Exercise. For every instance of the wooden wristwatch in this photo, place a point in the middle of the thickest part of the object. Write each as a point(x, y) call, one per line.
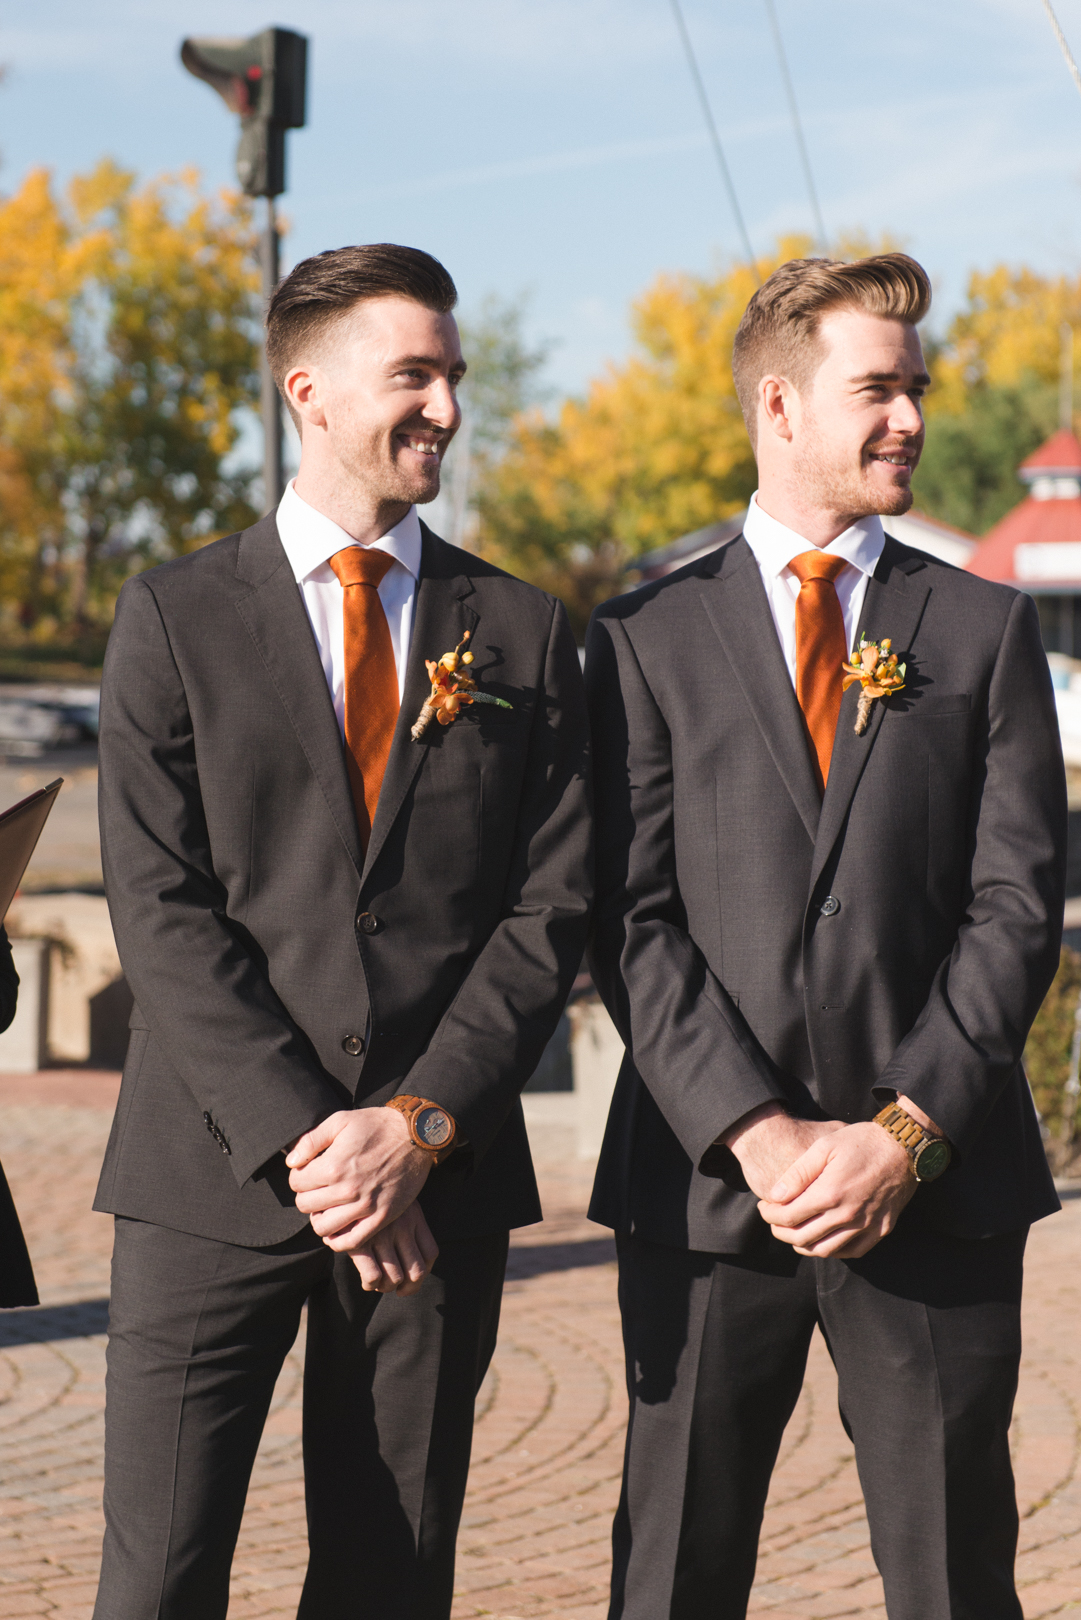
point(431, 1128)
point(930, 1155)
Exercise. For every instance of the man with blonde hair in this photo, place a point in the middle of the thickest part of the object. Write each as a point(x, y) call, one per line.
point(831, 834)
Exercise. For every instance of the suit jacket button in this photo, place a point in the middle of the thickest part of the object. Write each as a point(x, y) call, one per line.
point(353, 1045)
point(830, 906)
point(367, 923)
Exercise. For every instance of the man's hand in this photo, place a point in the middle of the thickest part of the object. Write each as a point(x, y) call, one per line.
point(356, 1172)
point(768, 1140)
point(843, 1196)
point(398, 1258)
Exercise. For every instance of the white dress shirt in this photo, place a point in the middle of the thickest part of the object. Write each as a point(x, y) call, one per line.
point(309, 540)
point(774, 546)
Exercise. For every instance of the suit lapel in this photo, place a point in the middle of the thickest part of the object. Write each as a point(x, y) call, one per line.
point(440, 619)
point(735, 600)
point(893, 606)
point(278, 624)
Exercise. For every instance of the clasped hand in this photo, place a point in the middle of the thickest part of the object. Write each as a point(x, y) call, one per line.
point(830, 1190)
point(357, 1176)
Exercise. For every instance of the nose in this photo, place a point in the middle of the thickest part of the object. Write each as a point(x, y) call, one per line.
point(905, 415)
point(441, 406)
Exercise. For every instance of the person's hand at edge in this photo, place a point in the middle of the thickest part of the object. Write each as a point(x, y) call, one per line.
point(398, 1258)
point(356, 1172)
point(767, 1140)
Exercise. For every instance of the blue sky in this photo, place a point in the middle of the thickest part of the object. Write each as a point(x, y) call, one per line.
point(554, 147)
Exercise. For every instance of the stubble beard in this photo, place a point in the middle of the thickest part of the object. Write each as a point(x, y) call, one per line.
point(389, 481)
point(835, 486)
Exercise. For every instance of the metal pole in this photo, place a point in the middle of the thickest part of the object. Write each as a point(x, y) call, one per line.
point(272, 415)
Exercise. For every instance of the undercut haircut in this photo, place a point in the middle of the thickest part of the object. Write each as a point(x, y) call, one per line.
point(320, 290)
point(779, 332)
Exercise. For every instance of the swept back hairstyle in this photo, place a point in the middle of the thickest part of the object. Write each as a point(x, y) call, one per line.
point(323, 288)
point(779, 332)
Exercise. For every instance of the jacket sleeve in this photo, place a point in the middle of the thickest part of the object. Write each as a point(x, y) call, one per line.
point(970, 1035)
point(9, 982)
point(207, 1002)
point(685, 1035)
point(492, 1035)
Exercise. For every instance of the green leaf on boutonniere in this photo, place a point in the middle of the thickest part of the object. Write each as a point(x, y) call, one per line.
point(486, 697)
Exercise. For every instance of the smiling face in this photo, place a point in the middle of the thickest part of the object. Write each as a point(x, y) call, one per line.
point(857, 432)
point(376, 402)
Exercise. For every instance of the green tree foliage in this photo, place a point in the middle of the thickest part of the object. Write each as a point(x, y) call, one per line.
point(128, 351)
point(501, 382)
point(995, 393)
point(968, 472)
point(1047, 1054)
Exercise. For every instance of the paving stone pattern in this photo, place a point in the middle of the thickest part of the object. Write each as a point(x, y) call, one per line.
point(546, 1460)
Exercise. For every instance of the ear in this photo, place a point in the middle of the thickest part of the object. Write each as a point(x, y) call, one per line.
point(304, 387)
point(778, 408)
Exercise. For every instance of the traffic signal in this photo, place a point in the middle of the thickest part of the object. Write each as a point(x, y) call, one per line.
point(263, 80)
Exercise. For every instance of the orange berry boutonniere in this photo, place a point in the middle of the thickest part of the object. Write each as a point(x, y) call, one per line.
point(452, 686)
point(878, 672)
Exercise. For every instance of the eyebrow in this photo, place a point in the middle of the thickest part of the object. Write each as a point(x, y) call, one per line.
point(425, 360)
point(921, 377)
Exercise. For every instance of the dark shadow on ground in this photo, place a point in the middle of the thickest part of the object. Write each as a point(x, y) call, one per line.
point(539, 1258)
point(42, 1324)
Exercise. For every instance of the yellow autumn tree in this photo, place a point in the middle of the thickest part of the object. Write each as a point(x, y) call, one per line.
point(128, 351)
point(996, 392)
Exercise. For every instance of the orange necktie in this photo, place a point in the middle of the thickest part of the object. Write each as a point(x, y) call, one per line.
point(820, 652)
point(371, 679)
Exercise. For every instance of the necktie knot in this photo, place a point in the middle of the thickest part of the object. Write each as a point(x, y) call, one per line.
point(360, 565)
point(816, 565)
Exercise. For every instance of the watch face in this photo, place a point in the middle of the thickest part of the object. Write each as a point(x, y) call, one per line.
point(931, 1160)
point(433, 1127)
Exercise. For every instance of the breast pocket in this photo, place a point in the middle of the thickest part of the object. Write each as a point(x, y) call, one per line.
point(932, 705)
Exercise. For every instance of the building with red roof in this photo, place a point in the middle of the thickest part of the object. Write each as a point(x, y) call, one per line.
point(1037, 546)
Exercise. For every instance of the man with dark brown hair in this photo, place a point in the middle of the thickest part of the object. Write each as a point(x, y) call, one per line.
point(825, 921)
point(346, 843)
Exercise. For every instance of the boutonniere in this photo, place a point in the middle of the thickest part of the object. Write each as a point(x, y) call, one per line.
point(451, 688)
point(878, 672)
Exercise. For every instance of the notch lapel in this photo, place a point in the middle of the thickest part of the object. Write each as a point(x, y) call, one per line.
point(277, 622)
point(441, 618)
point(893, 606)
point(735, 600)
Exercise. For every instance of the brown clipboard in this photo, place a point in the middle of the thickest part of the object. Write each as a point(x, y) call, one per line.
point(20, 829)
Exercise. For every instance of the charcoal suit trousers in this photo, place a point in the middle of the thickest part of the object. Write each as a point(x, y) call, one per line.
point(925, 1335)
point(198, 1332)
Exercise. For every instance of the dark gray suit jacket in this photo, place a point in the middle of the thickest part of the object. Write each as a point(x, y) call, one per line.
point(256, 939)
point(942, 835)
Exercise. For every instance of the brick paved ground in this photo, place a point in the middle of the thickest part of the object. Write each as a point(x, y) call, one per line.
point(546, 1462)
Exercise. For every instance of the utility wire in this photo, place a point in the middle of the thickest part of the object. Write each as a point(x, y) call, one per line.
point(718, 149)
point(1063, 47)
point(797, 127)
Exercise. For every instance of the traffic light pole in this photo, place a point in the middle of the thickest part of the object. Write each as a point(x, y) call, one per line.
point(272, 411)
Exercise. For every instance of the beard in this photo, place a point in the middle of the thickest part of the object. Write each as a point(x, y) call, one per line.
point(829, 480)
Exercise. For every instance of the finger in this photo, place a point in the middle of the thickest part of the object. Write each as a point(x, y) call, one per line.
point(799, 1175)
point(426, 1243)
point(342, 1217)
point(336, 1196)
point(357, 1235)
point(810, 1206)
point(387, 1250)
point(315, 1141)
point(372, 1279)
point(816, 1233)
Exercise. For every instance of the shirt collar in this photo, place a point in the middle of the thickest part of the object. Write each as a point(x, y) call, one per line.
point(309, 538)
point(774, 545)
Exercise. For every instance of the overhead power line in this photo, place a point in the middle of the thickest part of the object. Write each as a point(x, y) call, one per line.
point(1063, 47)
point(718, 149)
point(820, 229)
